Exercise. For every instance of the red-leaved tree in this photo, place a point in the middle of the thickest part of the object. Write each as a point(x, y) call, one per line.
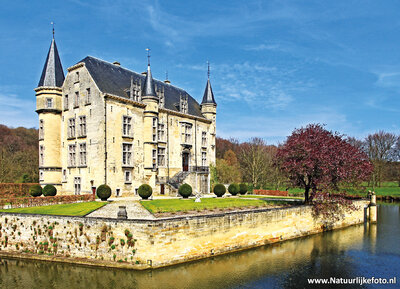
point(317, 159)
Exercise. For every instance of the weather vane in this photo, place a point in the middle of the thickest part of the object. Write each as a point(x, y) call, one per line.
point(52, 23)
point(166, 75)
point(148, 56)
point(208, 69)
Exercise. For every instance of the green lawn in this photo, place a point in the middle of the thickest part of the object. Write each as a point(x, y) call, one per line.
point(270, 197)
point(387, 189)
point(75, 209)
point(179, 205)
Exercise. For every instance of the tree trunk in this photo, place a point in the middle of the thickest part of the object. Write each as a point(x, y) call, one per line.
point(306, 194)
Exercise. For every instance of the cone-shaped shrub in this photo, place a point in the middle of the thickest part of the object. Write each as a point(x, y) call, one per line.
point(145, 191)
point(49, 191)
point(233, 189)
point(219, 190)
point(103, 192)
point(242, 189)
point(185, 191)
point(35, 190)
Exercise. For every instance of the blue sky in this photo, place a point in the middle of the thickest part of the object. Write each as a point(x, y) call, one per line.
point(275, 65)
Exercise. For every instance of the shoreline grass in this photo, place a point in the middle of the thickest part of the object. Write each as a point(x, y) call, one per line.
point(181, 205)
point(270, 197)
point(74, 209)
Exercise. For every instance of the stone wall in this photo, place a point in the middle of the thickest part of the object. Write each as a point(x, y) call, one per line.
point(143, 243)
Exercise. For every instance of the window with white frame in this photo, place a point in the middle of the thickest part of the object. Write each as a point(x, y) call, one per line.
point(183, 105)
point(126, 154)
point(154, 155)
point(204, 139)
point(204, 159)
point(161, 157)
point(161, 132)
point(76, 99)
point(49, 103)
point(41, 155)
point(41, 129)
point(71, 127)
point(88, 96)
point(186, 133)
point(72, 155)
point(127, 126)
point(127, 177)
point(154, 129)
point(82, 154)
point(82, 126)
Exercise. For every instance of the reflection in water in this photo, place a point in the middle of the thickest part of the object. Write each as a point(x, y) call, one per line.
point(363, 250)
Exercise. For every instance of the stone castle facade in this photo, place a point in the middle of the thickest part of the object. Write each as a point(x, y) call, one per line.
point(104, 124)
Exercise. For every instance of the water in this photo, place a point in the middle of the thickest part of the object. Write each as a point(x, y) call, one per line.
point(358, 251)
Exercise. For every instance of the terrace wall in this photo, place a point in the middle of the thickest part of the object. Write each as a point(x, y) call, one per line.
point(159, 242)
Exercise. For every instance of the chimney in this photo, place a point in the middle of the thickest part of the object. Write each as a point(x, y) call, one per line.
point(167, 81)
point(117, 63)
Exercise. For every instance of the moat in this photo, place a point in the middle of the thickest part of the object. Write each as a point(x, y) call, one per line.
point(358, 251)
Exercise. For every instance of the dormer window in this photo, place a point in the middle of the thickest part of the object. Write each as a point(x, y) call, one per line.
point(183, 104)
point(49, 103)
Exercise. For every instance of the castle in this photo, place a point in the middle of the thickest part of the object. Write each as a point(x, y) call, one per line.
point(105, 124)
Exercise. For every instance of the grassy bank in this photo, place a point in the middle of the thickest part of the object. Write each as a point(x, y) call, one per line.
point(180, 205)
point(269, 197)
point(75, 209)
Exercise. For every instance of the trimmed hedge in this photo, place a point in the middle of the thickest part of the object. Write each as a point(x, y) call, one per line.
point(35, 191)
point(185, 191)
point(233, 189)
point(243, 189)
point(49, 191)
point(219, 190)
point(103, 192)
point(145, 191)
point(41, 201)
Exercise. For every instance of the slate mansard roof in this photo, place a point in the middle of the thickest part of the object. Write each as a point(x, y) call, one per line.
point(52, 74)
point(116, 80)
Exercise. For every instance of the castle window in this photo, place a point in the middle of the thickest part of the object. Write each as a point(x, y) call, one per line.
point(161, 132)
point(88, 96)
point(41, 155)
point(204, 159)
point(154, 129)
point(161, 157)
point(183, 104)
point(76, 100)
point(162, 100)
point(72, 155)
point(204, 139)
point(127, 126)
point(154, 155)
point(77, 76)
point(71, 128)
point(82, 154)
point(127, 177)
point(41, 175)
point(66, 102)
point(126, 154)
point(49, 103)
point(41, 129)
point(64, 175)
point(186, 133)
point(82, 126)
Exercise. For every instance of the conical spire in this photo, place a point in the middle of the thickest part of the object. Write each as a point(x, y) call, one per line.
point(52, 74)
point(208, 96)
point(148, 87)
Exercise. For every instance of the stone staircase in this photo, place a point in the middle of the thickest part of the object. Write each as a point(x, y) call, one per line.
point(178, 179)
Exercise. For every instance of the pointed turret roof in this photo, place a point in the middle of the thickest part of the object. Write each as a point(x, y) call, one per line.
point(208, 96)
point(148, 87)
point(52, 74)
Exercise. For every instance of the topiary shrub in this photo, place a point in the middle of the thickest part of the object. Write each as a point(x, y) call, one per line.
point(145, 191)
point(103, 192)
point(233, 189)
point(185, 191)
point(49, 191)
point(35, 190)
point(219, 190)
point(242, 189)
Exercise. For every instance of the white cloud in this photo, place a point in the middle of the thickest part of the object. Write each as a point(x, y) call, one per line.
point(15, 111)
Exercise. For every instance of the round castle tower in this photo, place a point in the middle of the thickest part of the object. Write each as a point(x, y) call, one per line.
point(48, 107)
